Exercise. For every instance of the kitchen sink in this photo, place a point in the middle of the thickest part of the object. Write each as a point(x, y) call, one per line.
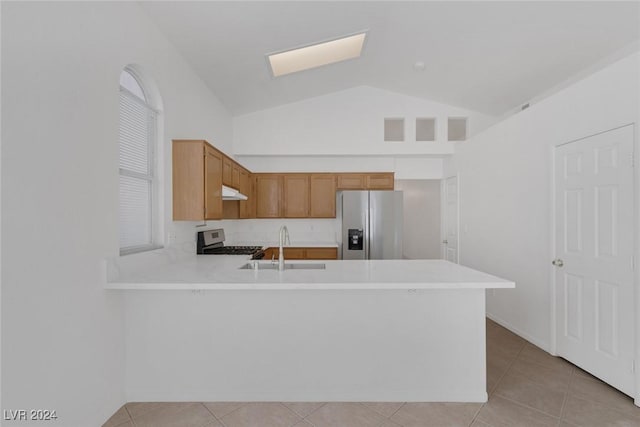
point(287, 266)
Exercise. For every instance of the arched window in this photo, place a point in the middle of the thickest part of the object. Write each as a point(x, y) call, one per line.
point(139, 210)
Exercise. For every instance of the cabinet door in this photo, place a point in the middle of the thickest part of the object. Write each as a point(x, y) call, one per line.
point(322, 253)
point(380, 181)
point(268, 192)
point(292, 253)
point(227, 171)
point(188, 180)
point(245, 188)
point(235, 176)
point(296, 195)
point(212, 183)
point(323, 196)
point(351, 181)
point(269, 254)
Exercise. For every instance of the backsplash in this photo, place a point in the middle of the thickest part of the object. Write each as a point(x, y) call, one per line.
point(266, 230)
point(182, 234)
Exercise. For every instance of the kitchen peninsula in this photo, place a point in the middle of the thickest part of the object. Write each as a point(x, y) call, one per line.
point(199, 328)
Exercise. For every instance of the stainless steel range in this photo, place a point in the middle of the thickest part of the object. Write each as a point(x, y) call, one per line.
point(211, 242)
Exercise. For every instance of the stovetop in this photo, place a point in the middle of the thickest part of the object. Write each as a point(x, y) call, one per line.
point(232, 250)
point(211, 242)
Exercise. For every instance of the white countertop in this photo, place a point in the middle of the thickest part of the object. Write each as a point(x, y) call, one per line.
point(221, 272)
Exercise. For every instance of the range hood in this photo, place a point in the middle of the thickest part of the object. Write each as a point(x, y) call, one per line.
point(229, 193)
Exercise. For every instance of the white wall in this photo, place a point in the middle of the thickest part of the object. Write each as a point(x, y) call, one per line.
point(505, 189)
point(349, 123)
point(404, 167)
point(62, 333)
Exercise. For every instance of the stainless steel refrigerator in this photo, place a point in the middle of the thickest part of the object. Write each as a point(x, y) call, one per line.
point(371, 224)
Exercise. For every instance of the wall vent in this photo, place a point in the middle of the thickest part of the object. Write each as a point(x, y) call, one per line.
point(457, 129)
point(393, 129)
point(425, 129)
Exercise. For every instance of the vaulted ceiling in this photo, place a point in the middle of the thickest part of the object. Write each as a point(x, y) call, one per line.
point(485, 56)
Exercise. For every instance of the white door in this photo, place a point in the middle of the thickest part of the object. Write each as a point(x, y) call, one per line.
point(450, 241)
point(594, 255)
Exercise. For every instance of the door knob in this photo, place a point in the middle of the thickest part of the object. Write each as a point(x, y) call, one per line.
point(557, 262)
point(445, 241)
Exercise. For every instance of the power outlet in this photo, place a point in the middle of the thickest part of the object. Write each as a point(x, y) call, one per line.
point(171, 238)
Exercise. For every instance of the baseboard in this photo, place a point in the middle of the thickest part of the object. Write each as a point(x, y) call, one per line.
point(533, 340)
point(305, 396)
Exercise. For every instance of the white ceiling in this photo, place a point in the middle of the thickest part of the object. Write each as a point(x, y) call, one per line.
point(484, 56)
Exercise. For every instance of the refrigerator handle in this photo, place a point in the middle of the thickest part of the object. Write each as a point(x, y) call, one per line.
point(367, 228)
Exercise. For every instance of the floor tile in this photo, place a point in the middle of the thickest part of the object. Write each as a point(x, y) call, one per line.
point(497, 365)
point(176, 415)
point(519, 388)
point(303, 408)
point(595, 390)
point(137, 409)
point(499, 412)
point(345, 414)
point(389, 423)
point(220, 409)
point(126, 424)
point(582, 373)
point(120, 417)
point(540, 374)
point(478, 423)
point(505, 340)
point(269, 414)
point(534, 354)
point(585, 413)
point(436, 414)
point(303, 423)
point(386, 409)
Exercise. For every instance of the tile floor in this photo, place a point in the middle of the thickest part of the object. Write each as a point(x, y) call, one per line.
point(527, 387)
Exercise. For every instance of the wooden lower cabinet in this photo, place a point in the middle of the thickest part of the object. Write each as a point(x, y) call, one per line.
point(321, 253)
point(302, 253)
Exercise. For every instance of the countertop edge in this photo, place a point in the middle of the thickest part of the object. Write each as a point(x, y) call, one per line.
point(304, 286)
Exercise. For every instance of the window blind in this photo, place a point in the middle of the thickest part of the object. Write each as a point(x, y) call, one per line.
point(137, 133)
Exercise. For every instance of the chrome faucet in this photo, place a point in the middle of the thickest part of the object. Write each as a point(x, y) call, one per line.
point(284, 239)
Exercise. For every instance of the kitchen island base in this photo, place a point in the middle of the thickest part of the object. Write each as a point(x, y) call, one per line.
point(404, 345)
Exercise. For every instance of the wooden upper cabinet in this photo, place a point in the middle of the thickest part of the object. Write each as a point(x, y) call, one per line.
point(213, 166)
point(379, 181)
point(323, 195)
point(197, 181)
point(235, 176)
point(296, 195)
point(351, 181)
point(231, 173)
point(227, 171)
point(268, 195)
point(366, 181)
point(246, 188)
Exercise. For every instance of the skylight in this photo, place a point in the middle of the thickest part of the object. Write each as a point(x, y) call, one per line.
point(316, 55)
